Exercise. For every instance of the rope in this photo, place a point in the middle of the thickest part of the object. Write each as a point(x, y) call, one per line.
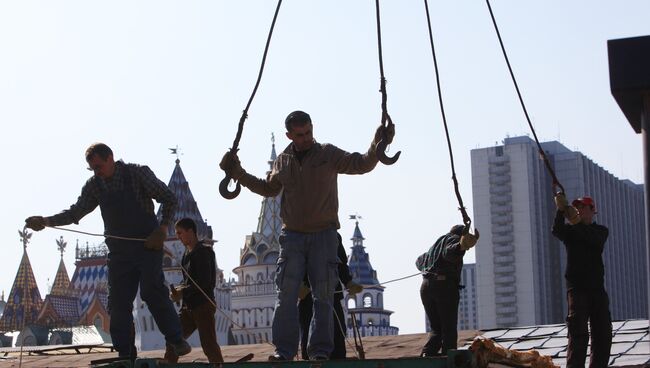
point(466, 220)
point(229, 318)
point(382, 88)
point(556, 182)
point(244, 115)
point(179, 263)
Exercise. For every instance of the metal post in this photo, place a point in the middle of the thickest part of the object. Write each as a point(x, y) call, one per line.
point(629, 78)
point(645, 126)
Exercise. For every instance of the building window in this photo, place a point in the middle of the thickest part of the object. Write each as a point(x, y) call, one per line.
point(367, 301)
point(352, 303)
point(144, 323)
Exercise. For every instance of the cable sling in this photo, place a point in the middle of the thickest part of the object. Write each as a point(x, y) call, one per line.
point(223, 186)
point(547, 163)
point(461, 207)
point(386, 120)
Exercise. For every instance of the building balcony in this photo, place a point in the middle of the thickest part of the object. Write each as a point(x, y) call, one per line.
point(505, 289)
point(505, 311)
point(507, 321)
point(500, 189)
point(501, 228)
point(495, 169)
point(508, 259)
point(499, 209)
point(503, 179)
point(503, 248)
point(254, 289)
point(507, 269)
point(504, 279)
point(501, 199)
point(502, 218)
point(505, 299)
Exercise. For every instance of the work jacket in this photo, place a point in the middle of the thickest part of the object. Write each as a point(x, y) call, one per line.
point(444, 258)
point(584, 248)
point(309, 186)
point(201, 265)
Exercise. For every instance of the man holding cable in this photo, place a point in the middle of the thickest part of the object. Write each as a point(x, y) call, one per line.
point(124, 194)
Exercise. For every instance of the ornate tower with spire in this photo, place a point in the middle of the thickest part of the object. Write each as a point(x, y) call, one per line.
point(368, 306)
point(254, 295)
point(24, 300)
point(61, 307)
point(148, 336)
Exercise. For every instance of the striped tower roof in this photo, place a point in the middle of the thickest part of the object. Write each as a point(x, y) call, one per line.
point(61, 285)
point(24, 300)
point(187, 206)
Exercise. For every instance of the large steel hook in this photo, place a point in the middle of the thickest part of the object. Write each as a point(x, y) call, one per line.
point(225, 192)
point(382, 145)
point(223, 186)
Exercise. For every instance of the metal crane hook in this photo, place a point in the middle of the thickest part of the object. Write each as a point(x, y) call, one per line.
point(381, 148)
point(225, 192)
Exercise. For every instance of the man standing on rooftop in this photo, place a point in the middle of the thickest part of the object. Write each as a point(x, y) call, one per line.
point(306, 172)
point(124, 194)
point(585, 279)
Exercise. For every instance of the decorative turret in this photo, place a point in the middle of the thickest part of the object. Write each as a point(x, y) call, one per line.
point(359, 263)
point(61, 285)
point(367, 306)
point(187, 206)
point(24, 300)
point(254, 294)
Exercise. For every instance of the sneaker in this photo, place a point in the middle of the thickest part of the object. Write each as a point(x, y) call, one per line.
point(181, 347)
point(277, 358)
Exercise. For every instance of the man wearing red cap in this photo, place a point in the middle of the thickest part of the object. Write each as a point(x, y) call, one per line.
point(585, 278)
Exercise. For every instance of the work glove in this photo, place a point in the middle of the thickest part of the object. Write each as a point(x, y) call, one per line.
point(231, 165)
point(156, 240)
point(176, 293)
point(561, 202)
point(36, 223)
point(353, 287)
point(388, 131)
point(304, 291)
point(467, 241)
point(571, 214)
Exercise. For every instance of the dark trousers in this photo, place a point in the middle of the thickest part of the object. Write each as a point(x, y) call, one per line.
point(201, 318)
point(305, 312)
point(131, 266)
point(588, 307)
point(440, 301)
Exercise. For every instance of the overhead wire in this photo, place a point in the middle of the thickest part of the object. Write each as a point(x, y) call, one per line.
point(223, 186)
point(542, 153)
point(461, 207)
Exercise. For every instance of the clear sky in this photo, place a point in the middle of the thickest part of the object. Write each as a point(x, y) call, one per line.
point(143, 76)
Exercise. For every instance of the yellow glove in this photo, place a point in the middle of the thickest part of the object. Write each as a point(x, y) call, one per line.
point(571, 214)
point(36, 223)
point(467, 241)
point(353, 287)
point(156, 240)
point(304, 291)
point(561, 202)
point(176, 294)
point(231, 165)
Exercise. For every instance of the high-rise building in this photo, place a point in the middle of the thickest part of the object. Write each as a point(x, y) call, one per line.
point(520, 265)
point(467, 317)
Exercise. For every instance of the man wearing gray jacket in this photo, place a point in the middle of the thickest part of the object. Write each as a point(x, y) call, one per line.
point(306, 172)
